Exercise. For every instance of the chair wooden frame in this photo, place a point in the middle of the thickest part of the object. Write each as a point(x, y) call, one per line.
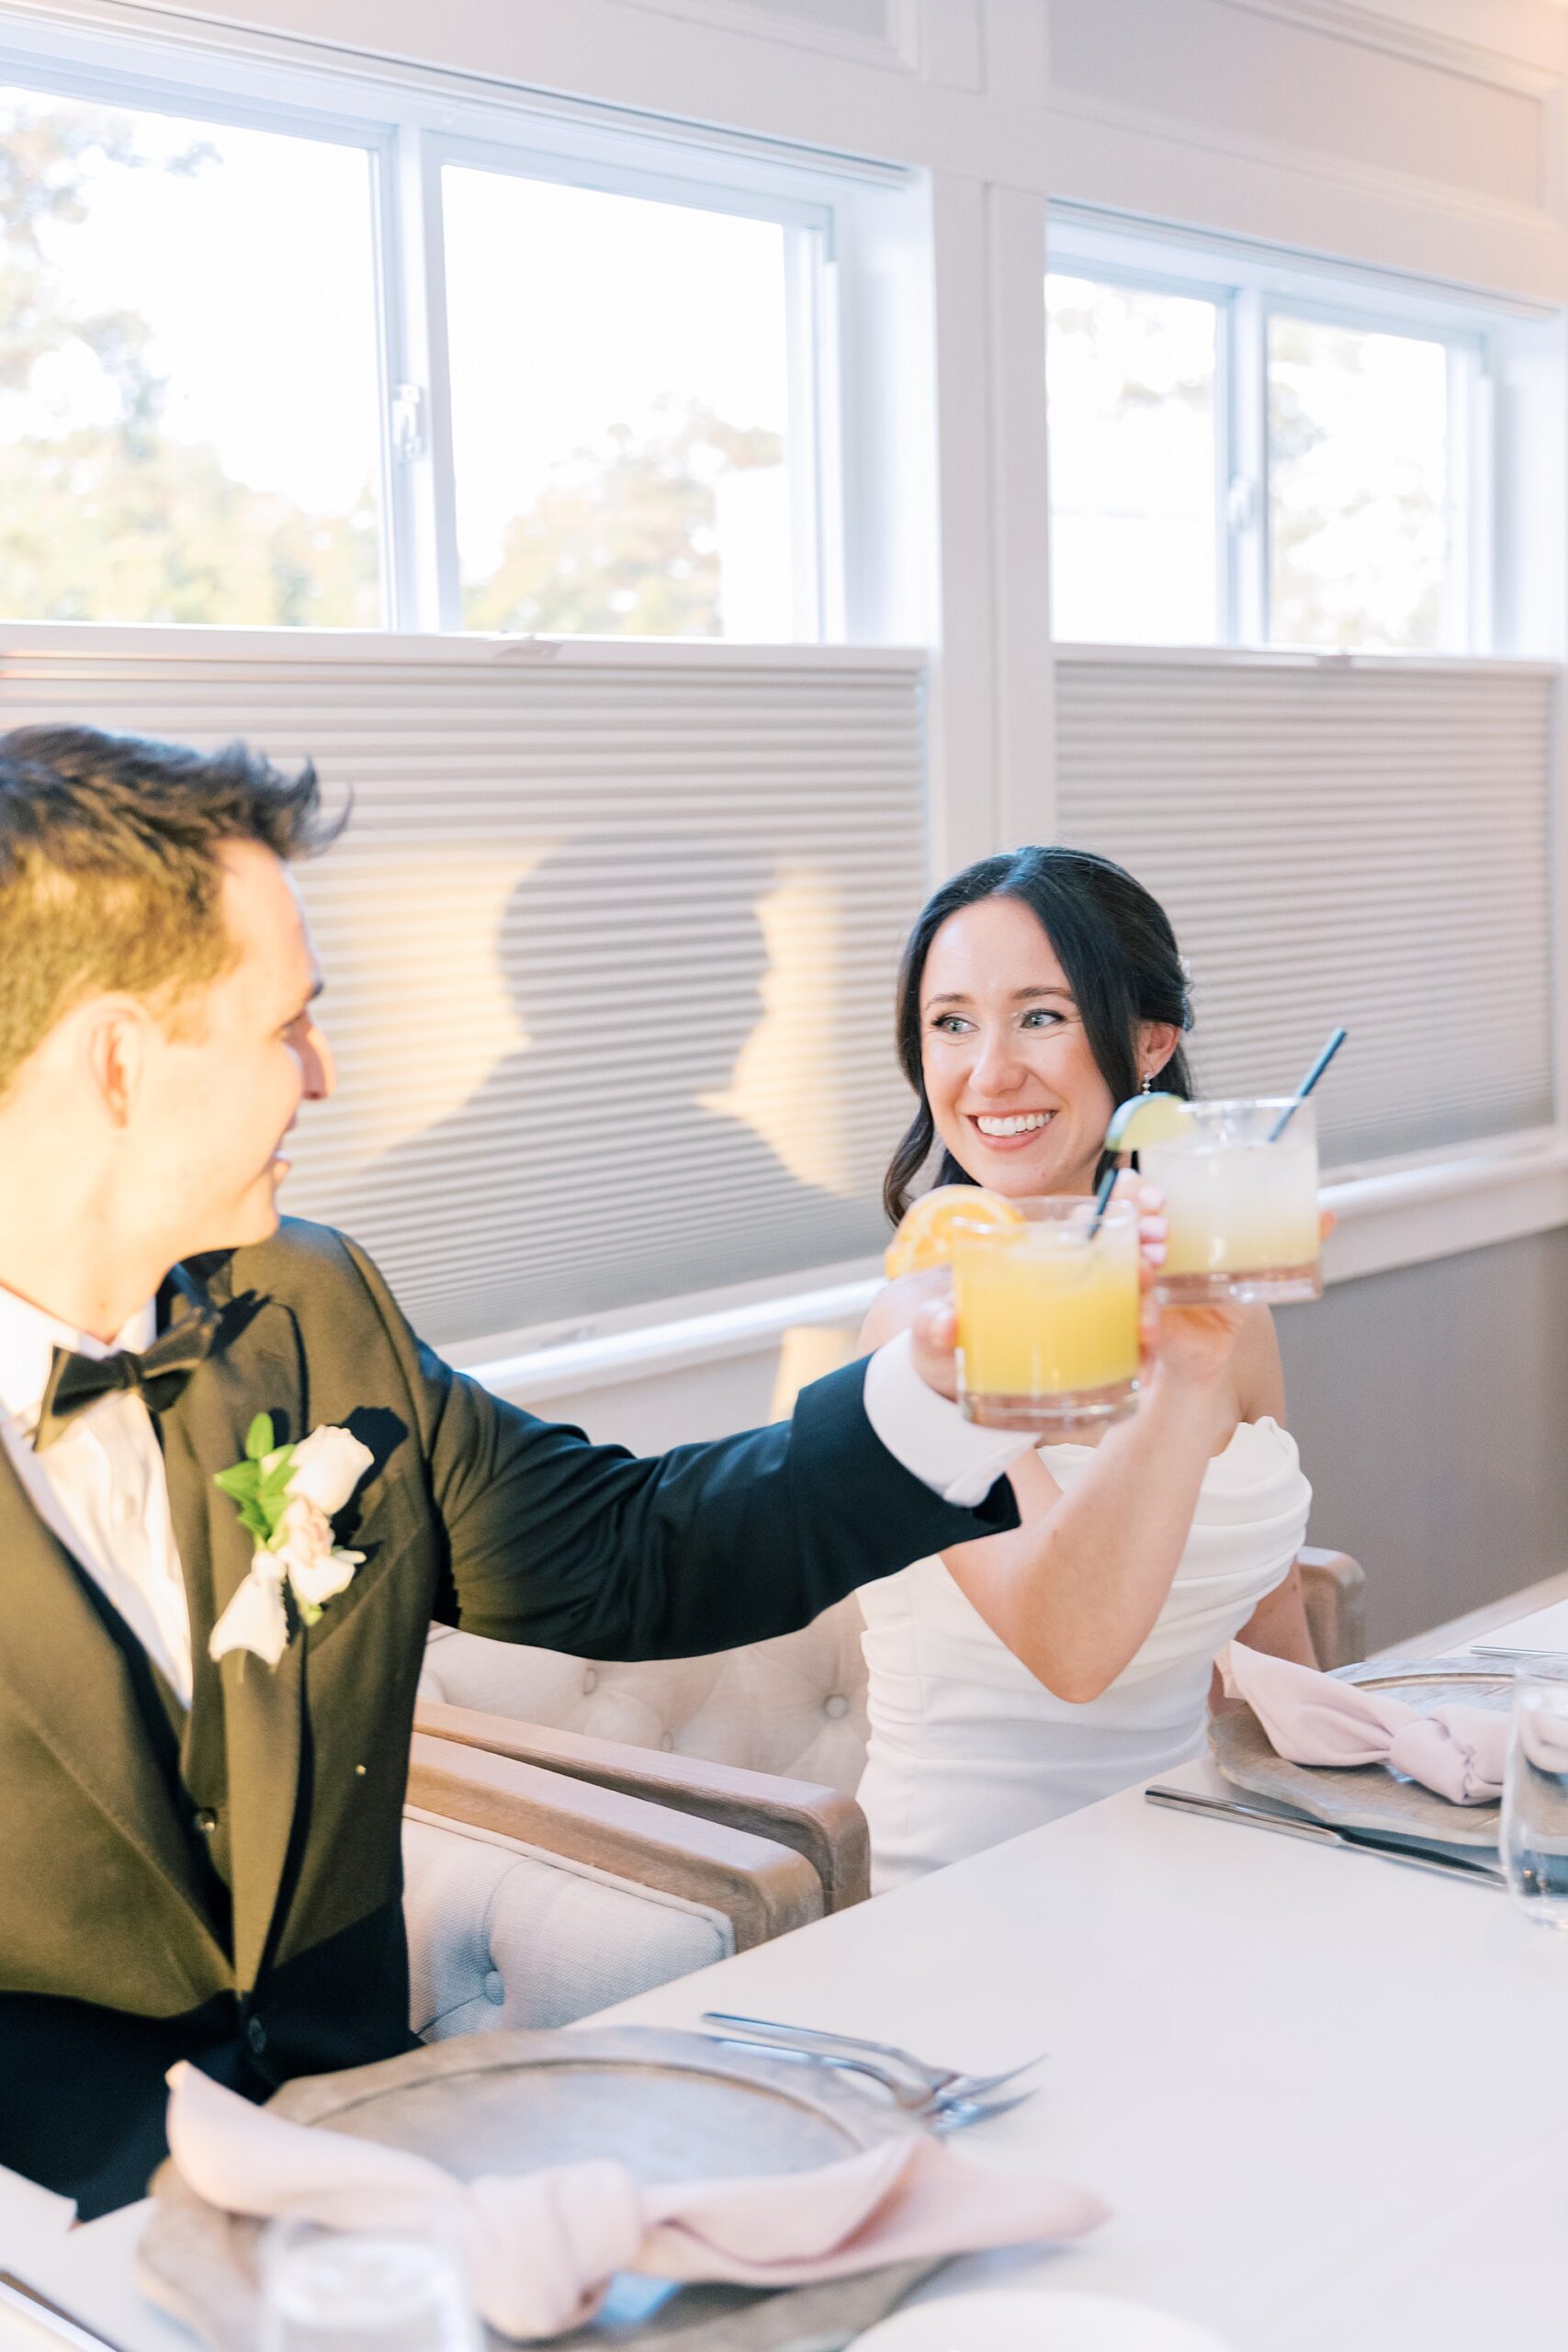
point(1334, 1588)
point(763, 1887)
point(828, 1830)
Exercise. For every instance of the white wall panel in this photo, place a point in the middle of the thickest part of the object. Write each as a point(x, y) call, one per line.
point(1337, 84)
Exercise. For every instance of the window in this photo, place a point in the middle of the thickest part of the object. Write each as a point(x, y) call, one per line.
point(188, 371)
point(1134, 540)
point(262, 364)
point(1244, 452)
point(621, 412)
point(1365, 543)
point(1250, 451)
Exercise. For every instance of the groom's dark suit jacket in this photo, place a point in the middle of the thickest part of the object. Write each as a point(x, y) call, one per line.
point(225, 1885)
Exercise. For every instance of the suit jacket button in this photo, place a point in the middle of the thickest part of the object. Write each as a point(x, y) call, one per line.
point(206, 1821)
point(255, 2034)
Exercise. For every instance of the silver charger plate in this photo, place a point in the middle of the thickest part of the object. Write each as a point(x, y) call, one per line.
point(669, 2106)
point(1369, 1797)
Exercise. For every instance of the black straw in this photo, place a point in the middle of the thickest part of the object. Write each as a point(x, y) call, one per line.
point(1102, 1200)
point(1308, 1083)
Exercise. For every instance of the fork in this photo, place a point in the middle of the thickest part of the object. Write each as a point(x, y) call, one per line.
point(938, 2082)
point(940, 2110)
point(956, 2115)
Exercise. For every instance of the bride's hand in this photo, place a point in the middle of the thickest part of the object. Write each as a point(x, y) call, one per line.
point(1191, 1345)
point(1149, 1200)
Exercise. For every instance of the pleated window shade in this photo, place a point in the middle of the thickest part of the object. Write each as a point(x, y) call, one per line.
point(1365, 844)
point(609, 942)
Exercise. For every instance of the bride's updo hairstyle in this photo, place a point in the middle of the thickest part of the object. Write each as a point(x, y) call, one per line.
point(1113, 941)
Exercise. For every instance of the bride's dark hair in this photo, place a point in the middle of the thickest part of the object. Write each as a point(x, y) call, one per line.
point(1116, 946)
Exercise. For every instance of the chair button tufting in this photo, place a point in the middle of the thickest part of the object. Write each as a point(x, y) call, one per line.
point(668, 1742)
point(494, 1989)
point(206, 1821)
point(590, 1681)
point(255, 2034)
point(836, 1706)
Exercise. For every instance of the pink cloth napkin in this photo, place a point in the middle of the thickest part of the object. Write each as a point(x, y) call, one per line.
point(1312, 1719)
point(541, 2246)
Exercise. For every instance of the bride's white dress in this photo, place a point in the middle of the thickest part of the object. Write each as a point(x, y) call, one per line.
point(967, 1749)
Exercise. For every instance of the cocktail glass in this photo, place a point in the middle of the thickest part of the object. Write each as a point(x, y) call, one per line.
point(400, 2289)
point(1533, 1833)
point(1048, 1316)
point(1240, 1202)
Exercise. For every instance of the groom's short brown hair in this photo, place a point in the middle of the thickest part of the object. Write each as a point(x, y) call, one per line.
point(109, 872)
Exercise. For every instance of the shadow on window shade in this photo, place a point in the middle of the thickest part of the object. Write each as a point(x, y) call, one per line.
point(1365, 846)
point(642, 1137)
point(609, 942)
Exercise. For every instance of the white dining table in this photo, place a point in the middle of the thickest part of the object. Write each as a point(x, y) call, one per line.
point(1324, 2097)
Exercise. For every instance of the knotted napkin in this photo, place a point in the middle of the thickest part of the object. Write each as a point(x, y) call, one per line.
point(1311, 1718)
point(541, 2247)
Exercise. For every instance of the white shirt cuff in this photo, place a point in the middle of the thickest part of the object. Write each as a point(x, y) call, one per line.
point(957, 1459)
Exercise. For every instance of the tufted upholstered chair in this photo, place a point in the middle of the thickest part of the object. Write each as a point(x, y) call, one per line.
point(505, 1933)
point(794, 1707)
point(532, 1898)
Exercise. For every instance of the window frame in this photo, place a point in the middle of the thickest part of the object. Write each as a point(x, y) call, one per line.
point(1247, 292)
point(408, 133)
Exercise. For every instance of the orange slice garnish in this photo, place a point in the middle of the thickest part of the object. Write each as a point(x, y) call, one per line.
point(925, 1235)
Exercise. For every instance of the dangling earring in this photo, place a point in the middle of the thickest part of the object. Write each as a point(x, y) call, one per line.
point(1148, 1085)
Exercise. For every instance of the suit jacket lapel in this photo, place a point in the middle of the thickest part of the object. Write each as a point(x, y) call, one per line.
point(257, 1367)
point(69, 1682)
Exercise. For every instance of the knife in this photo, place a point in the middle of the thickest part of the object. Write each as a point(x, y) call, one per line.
point(16, 2295)
point(1323, 1833)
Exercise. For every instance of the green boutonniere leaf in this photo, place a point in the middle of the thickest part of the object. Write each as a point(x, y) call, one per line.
point(261, 1493)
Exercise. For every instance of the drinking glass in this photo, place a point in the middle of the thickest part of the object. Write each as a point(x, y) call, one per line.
point(1240, 1202)
point(1048, 1313)
point(363, 2290)
point(1534, 1830)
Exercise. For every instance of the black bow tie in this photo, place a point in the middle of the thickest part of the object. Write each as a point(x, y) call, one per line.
point(157, 1376)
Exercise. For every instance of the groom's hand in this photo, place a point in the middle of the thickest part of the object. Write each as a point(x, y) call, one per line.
point(935, 1336)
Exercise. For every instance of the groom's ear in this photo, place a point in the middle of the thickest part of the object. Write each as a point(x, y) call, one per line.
point(118, 1034)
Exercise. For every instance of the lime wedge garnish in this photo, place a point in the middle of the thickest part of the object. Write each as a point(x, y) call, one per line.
point(1147, 1118)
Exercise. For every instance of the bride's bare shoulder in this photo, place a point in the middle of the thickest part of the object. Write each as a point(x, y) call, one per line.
point(894, 1308)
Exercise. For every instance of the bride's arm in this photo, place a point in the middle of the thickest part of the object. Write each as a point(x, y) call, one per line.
point(1075, 1591)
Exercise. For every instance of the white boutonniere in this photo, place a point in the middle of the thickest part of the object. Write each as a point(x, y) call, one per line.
point(287, 1497)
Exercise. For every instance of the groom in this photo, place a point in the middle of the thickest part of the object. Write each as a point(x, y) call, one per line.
point(200, 1856)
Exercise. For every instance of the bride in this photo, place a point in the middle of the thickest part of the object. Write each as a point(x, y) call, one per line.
point(1014, 1679)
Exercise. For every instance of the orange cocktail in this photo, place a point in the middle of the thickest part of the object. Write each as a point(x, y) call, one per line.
point(1048, 1316)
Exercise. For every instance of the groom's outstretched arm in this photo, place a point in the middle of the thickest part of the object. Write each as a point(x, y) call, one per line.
point(589, 1549)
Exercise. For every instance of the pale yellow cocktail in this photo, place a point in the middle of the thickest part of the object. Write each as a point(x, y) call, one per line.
point(1048, 1315)
point(1240, 1202)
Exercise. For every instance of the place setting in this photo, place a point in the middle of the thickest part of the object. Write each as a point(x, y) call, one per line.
point(760, 2187)
point(756, 2186)
point(1457, 1767)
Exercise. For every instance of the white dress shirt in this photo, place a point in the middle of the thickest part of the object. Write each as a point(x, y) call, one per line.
point(101, 1485)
